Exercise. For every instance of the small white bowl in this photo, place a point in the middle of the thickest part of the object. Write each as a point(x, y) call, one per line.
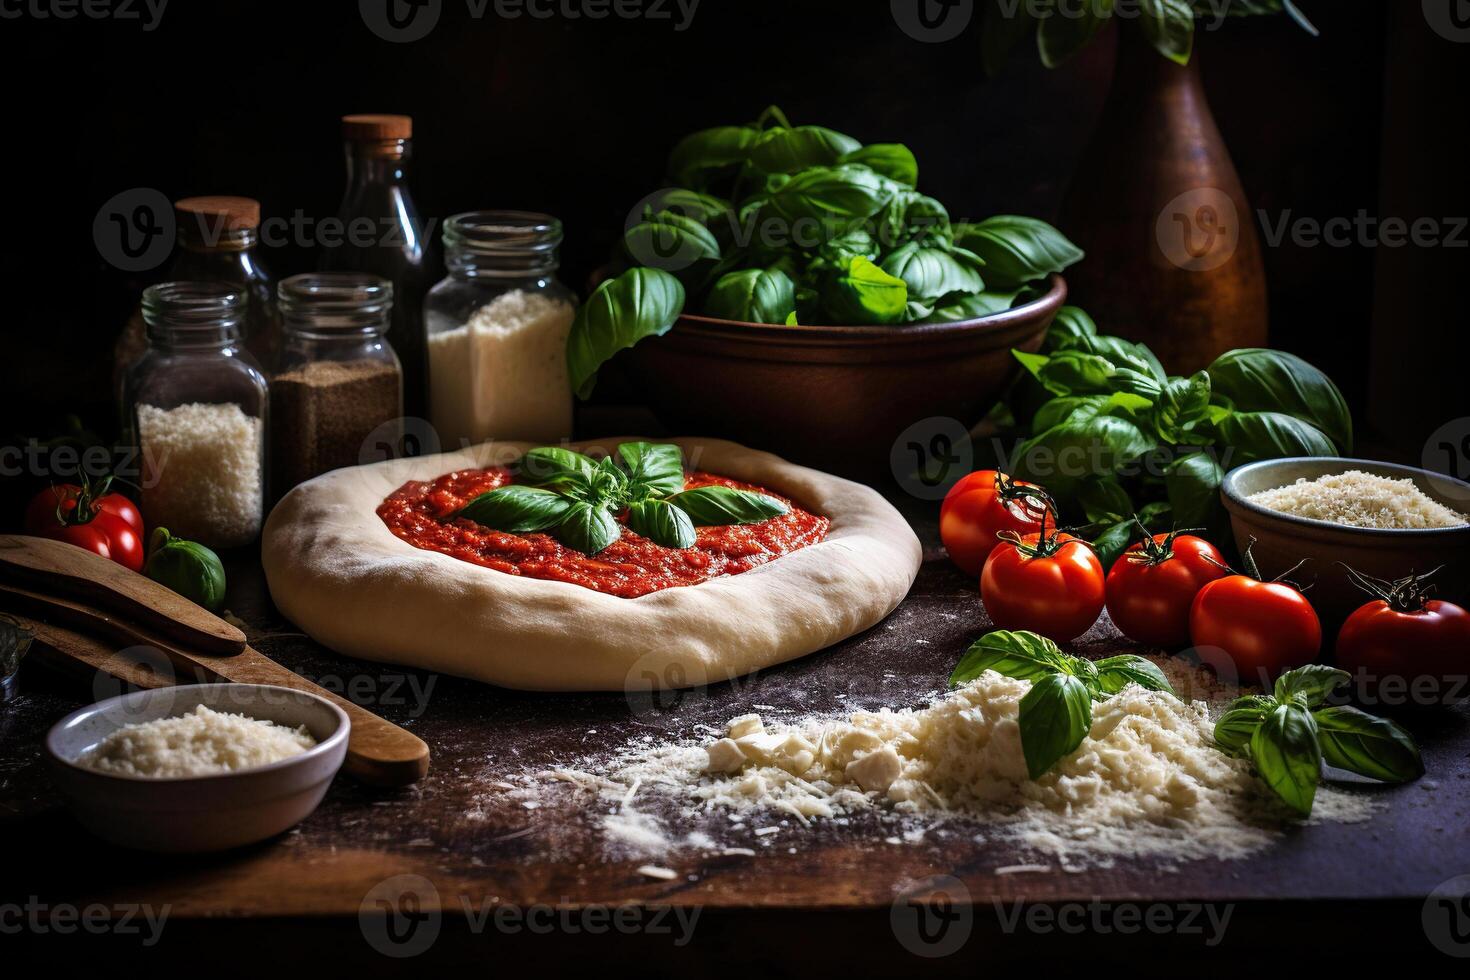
point(198, 813)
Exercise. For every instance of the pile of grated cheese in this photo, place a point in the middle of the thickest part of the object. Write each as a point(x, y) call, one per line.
point(1148, 782)
point(1359, 499)
point(202, 742)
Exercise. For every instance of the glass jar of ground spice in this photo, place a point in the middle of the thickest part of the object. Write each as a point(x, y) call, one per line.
point(340, 384)
point(197, 407)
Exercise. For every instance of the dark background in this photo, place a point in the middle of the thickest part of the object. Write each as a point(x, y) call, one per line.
point(575, 117)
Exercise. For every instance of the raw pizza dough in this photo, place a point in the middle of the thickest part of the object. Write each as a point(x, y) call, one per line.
point(336, 570)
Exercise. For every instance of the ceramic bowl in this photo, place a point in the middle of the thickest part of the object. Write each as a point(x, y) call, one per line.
point(836, 398)
point(200, 813)
point(1281, 540)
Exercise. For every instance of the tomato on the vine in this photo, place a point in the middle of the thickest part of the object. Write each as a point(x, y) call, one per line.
point(1152, 586)
point(1405, 634)
point(1266, 628)
point(980, 507)
point(107, 524)
point(1050, 584)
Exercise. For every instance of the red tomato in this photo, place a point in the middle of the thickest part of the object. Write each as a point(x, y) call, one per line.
point(107, 535)
point(1432, 641)
point(975, 510)
point(1153, 584)
point(1056, 591)
point(41, 512)
point(1266, 628)
point(114, 529)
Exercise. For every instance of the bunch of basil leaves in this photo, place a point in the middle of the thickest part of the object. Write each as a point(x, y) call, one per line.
point(1289, 733)
point(773, 223)
point(576, 498)
point(1056, 714)
point(1109, 433)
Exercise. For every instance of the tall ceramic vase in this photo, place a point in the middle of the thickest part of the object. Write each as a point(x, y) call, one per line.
point(1173, 258)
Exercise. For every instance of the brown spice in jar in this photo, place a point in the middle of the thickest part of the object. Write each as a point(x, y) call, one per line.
point(323, 413)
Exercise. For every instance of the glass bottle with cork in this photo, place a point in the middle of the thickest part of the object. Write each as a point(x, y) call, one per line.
point(382, 234)
point(197, 402)
point(340, 387)
point(218, 238)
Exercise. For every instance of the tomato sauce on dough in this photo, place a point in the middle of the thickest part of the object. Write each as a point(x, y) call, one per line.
point(629, 567)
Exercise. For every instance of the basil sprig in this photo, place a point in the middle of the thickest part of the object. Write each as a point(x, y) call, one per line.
point(575, 498)
point(1056, 714)
point(1289, 733)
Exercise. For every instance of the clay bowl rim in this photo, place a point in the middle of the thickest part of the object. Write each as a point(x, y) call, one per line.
point(1049, 302)
point(1242, 509)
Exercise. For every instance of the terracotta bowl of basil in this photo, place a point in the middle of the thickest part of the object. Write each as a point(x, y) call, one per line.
point(836, 398)
point(1281, 539)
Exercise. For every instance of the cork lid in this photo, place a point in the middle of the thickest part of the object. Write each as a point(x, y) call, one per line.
point(219, 211)
point(372, 126)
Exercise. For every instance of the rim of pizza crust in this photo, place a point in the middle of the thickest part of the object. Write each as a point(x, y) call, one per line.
point(337, 571)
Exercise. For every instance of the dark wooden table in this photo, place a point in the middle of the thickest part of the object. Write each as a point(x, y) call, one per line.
point(835, 886)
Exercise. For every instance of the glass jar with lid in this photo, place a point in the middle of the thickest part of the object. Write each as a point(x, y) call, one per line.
point(339, 389)
point(197, 407)
point(218, 239)
point(497, 329)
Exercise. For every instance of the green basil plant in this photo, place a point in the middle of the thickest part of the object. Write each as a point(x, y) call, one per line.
point(773, 223)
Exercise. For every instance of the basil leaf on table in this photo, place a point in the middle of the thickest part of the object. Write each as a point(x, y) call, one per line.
point(1287, 755)
point(1116, 673)
point(893, 160)
point(588, 528)
point(1169, 27)
point(1239, 722)
point(661, 522)
point(1192, 483)
point(1254, 436)
point(705, 155)
point(1019, 654)
point(1016, 249)
point(1259, 380)
point(717, 506)
point(517, 509)
point(1069, 327)
point(1309, 686)
point(1375, 747)
point(620, 312)
point(1181, 402)
point(787, 151)
point(653, 468)
point(752, 295)
point(1055, 716)
point(860, 293)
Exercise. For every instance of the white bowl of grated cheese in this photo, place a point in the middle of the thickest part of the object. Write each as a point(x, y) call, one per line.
point(199, 767)
point(1380, 518)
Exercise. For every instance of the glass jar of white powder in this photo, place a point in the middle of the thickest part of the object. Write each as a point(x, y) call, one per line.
point(497, 330)
point(197, 402)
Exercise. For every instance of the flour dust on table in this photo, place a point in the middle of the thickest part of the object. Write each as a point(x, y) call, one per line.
point(1148, 782)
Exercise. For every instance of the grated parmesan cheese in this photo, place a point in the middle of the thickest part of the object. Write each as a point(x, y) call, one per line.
point(201, 743)
point(1359, 499)
point(1148, 782)
point(202, 472)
